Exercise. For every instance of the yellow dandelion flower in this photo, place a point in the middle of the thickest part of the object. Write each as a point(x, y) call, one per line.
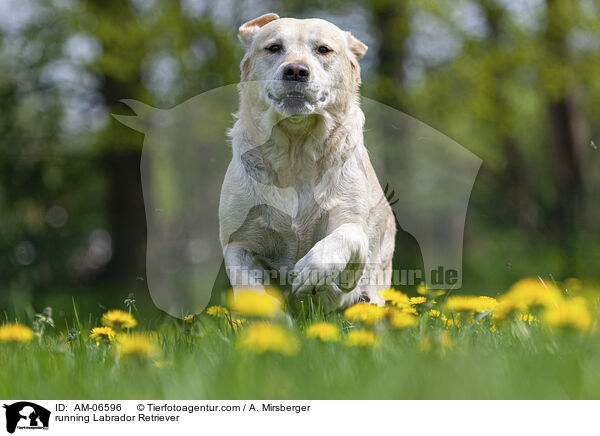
point(262, 337)
point(15, 332)
point(324, 331)
point(395, 298)
point(217, 311)
point(467, 303)
point(399, 319)
point(411, 310)
point(254, 304)
point(137, 345)
point(105, 333)
point(528, 293)
point(433, 313)
point(527, 317)
point(367, 314)
point(424, 290)
point(450, 322)
point(238, 322)
point(417, 300)
point(507, 306)
point(190, 319)
point(119, 319)
point(570, 314)
point(360, 338)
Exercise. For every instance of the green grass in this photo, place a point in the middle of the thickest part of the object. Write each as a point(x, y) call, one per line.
point(520, 361)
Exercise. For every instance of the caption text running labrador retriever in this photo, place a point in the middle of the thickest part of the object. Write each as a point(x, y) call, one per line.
point(300, 199)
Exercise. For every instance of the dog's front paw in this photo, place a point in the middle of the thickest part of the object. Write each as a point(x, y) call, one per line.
point(316, 276)
point(320, 267)
point(327, 297)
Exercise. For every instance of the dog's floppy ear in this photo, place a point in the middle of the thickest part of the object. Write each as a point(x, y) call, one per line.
point(247, 30)
point(357, 47)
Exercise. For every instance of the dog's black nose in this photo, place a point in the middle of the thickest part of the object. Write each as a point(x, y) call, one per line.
point(296, 72)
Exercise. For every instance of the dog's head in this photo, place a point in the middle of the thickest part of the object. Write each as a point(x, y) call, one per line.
point(301, 67)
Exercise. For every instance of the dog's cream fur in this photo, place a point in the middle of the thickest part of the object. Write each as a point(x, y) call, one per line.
point(300, 193)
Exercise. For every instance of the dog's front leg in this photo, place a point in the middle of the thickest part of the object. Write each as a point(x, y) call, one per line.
point(246, 272)
point(333, 266)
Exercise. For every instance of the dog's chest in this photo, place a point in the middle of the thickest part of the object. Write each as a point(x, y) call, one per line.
point(309, 225)
point(288, 224)
point(291, 192)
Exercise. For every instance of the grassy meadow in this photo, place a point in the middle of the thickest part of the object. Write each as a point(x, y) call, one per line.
point(538, 340)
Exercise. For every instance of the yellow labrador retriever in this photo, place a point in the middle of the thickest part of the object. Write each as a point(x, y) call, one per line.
point(301, 206)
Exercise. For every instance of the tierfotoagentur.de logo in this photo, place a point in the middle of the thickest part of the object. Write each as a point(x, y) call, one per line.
point(26, 416)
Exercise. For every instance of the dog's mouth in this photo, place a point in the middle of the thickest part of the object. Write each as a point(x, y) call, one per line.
point(291, 97)
point(296, 102)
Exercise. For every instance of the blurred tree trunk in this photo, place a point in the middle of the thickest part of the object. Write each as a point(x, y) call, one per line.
point(125, 205)
point(567, 171)
point(513, 180)
point(392, 29)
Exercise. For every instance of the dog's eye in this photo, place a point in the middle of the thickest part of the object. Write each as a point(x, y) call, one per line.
point(323, 49)
point(273, 48)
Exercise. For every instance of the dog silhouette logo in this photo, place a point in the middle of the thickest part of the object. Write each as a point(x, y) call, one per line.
point(26, 415)
point(186, 155)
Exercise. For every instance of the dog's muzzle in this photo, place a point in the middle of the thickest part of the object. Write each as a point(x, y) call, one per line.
point(295, 99)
